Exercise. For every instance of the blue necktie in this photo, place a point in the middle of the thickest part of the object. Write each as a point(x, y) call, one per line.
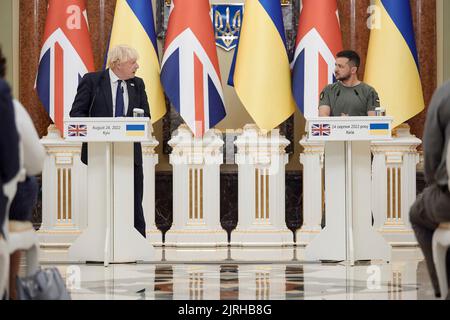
point(119, 100)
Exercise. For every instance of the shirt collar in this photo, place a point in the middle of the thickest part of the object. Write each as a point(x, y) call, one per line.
point(114, 78)
point(352, 87)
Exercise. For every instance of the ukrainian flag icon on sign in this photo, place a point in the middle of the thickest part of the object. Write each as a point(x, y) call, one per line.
point(379, 129)
point(135, 130)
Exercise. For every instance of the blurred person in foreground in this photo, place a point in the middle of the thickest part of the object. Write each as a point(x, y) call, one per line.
point(31, 162)
point(432, 206)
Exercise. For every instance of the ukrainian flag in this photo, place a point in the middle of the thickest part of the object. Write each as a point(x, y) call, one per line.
point(262, 77)
point(392, 66)
point(134, 26)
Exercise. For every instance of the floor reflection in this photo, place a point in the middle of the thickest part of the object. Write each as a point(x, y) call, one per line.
point(288, 278)
point(163, 288)
point(254, 282)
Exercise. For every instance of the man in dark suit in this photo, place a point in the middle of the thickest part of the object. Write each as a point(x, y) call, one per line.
point(9, 147)
point(115, 92)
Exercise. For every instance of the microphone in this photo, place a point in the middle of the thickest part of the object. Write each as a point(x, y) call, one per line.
point(97, 88)
point(357, 94)
point(338, 93)
point(375, 99)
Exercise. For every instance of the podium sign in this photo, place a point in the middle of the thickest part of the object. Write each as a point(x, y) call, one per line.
point(348, 234)
point(107, 129)
point(349, 128)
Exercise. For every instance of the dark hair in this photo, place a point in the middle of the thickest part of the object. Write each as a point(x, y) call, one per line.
point(351, 55)
point(2, 64)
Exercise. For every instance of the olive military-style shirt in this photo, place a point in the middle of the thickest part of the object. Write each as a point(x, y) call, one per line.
point(354, 101)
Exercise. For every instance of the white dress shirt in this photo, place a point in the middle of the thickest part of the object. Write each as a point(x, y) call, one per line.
point(114, 81)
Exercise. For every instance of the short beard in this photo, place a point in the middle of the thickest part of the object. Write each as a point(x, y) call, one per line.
point(345, 78)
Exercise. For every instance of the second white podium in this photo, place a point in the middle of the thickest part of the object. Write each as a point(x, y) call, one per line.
point(348, 234)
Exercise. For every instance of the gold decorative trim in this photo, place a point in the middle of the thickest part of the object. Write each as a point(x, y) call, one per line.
point(396, 231)
point(196, 193)
point(190, 194)
point(261, 194)
point(267, 194)
point(58, 232)
point(64, 200)
point(388, 193)
point(70, 193)
point(195, 231)
point(394, 193)
point(58, 209)
point(262, 231)
point(399, 193)
point(50, 150)
point(201, 194)
point(256, 193)
point(64, 225)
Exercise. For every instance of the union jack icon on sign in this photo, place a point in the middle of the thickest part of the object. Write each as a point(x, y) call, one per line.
point(77, 130)
point(320, 130)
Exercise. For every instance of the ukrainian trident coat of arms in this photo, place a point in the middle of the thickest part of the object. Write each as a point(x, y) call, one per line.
point(227, 20)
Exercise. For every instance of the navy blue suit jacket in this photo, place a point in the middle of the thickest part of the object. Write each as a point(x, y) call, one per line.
point(94, 99)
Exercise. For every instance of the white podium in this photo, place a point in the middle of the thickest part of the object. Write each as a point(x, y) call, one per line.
point(348, 234)
point(110, 236)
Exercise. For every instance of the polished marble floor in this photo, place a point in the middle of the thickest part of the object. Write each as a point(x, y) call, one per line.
point(255, 274)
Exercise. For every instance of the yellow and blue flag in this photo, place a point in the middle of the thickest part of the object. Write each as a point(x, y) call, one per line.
point(262, 76)
point(134, 26)
point(392, 65)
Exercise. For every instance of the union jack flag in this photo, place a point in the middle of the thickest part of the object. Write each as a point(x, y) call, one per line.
point(190, 70)
point(77, 130)
point(321, 129)
point(66, 55)
point(318, 40)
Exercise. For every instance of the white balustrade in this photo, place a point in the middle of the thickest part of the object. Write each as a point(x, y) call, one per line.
point(261, 160)
point(394, 186)
point(312, 160)
point(64, 192)
point(196, 189)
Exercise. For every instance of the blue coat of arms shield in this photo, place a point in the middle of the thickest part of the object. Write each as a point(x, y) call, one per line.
point(227, 21)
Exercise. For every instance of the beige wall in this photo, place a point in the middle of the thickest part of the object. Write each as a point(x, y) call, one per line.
point(446, 40)
point(7, 37)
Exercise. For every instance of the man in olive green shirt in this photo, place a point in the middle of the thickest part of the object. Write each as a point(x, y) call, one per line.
point(348, 96)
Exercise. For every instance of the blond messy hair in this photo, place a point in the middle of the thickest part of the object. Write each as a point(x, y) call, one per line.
point(121, 53)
